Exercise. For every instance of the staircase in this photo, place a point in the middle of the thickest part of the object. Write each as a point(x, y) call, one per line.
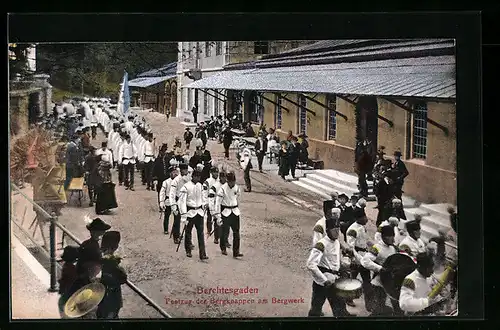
point(324, 182)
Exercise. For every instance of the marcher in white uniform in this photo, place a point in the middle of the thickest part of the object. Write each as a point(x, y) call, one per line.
point(373, 260)
point(394, 223)
point(175, 189)
point(127, 157)
point(149, 159)
point(165, 199)
point(228, 214)
point(412, 243)
point(414, 294)
point(212, 196)
point(324, 265)
point(192, 204)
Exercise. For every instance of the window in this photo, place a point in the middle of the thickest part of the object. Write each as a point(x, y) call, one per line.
point(205, 104)
point(261, 47)
point(302, 114)
point(332, 117)
point(208, 49)
point(256, 112)
point(216, 107)
point(420, 131)
point(218, 48)
point(277, 112)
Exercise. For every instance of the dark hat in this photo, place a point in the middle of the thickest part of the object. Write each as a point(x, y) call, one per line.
point(110, 240)
point(303, 135)
point(214, 169)
point(387, 231)
point(172, 168)
point(424, 260)
point(327, 208)
point(196, 173)
point(412, 226)
point(332, 223)
point(183, 166)
point(343, 196)
point(397, 153)
point(231, 176)
point(70, 253)
point(187, 129)
point(98, 224)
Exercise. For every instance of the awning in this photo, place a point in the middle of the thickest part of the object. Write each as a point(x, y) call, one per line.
point(148, 81)
point(418, 77)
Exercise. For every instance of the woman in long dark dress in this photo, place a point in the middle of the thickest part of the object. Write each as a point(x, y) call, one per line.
point(304, 145)
point(113, 277)
point(283, 161)
point(106, 197)
point(293, 155)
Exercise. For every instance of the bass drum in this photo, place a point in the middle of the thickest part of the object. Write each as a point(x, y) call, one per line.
point(396, 268)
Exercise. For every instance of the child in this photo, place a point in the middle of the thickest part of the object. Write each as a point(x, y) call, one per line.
point(113, 277)
point(68, 275)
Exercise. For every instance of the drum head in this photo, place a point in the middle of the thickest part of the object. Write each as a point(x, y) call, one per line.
point(397, 266)
point(348, 284)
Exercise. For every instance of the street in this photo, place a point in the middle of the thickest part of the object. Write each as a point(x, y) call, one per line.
point(271, 280)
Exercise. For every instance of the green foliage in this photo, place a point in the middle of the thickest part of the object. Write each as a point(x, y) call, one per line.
point(98, 69)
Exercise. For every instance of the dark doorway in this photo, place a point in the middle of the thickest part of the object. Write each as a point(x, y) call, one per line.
point(33, 108)
point(367, 119)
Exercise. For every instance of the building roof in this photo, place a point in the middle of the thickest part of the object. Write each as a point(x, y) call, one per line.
point(166, 70)
point(144, 82)
point(432, 77)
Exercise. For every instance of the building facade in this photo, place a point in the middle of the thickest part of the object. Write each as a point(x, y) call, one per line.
point(198, 60)
point(156, 89)
point(399, 94)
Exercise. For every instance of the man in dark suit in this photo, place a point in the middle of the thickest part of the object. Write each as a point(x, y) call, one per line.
point(400, 173)
point(260, 149)
point(385, 193)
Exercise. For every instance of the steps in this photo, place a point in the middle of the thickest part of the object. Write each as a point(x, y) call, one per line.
point(324, 182)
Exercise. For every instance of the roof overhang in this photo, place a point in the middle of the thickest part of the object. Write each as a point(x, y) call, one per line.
point(427, 77)
point(149, 81)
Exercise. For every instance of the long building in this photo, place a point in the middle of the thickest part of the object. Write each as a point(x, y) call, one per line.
point(398, 93)
point(203, 59)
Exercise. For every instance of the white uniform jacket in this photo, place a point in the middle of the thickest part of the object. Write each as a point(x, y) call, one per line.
point(128, 153)
point(165, 193)
point(324, 260)
point(212, 195)
point(191, 200)
point(106, 155)
point(319, 231)
point(246, 158)
point(357, 238)
point(175, 189)
point(375, 258)
point(412, 246)
point(227, 199)
point(414, 292)
point(149, 152)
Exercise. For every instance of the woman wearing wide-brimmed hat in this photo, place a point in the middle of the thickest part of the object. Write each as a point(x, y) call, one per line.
point(304, 145)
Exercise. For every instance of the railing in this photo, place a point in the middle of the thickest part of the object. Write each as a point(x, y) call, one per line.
point(54, 224)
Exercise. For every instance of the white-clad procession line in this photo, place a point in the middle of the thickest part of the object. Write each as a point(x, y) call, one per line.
point(38, 270)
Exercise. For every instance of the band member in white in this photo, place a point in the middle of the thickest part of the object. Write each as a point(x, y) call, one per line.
point(324, 265)
point(412, 243)
point(227, 214)
point(210, 195)
point(116, 156)
point(128, 155)
point(175, 189)
point(192, 204)
point(394, 223)
point(165, 200)
point(319, 230)
point(246, 166)
point(149, 158)
point(414, 295)
point(357, 239)
point(105, 153)
point(373, 260)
